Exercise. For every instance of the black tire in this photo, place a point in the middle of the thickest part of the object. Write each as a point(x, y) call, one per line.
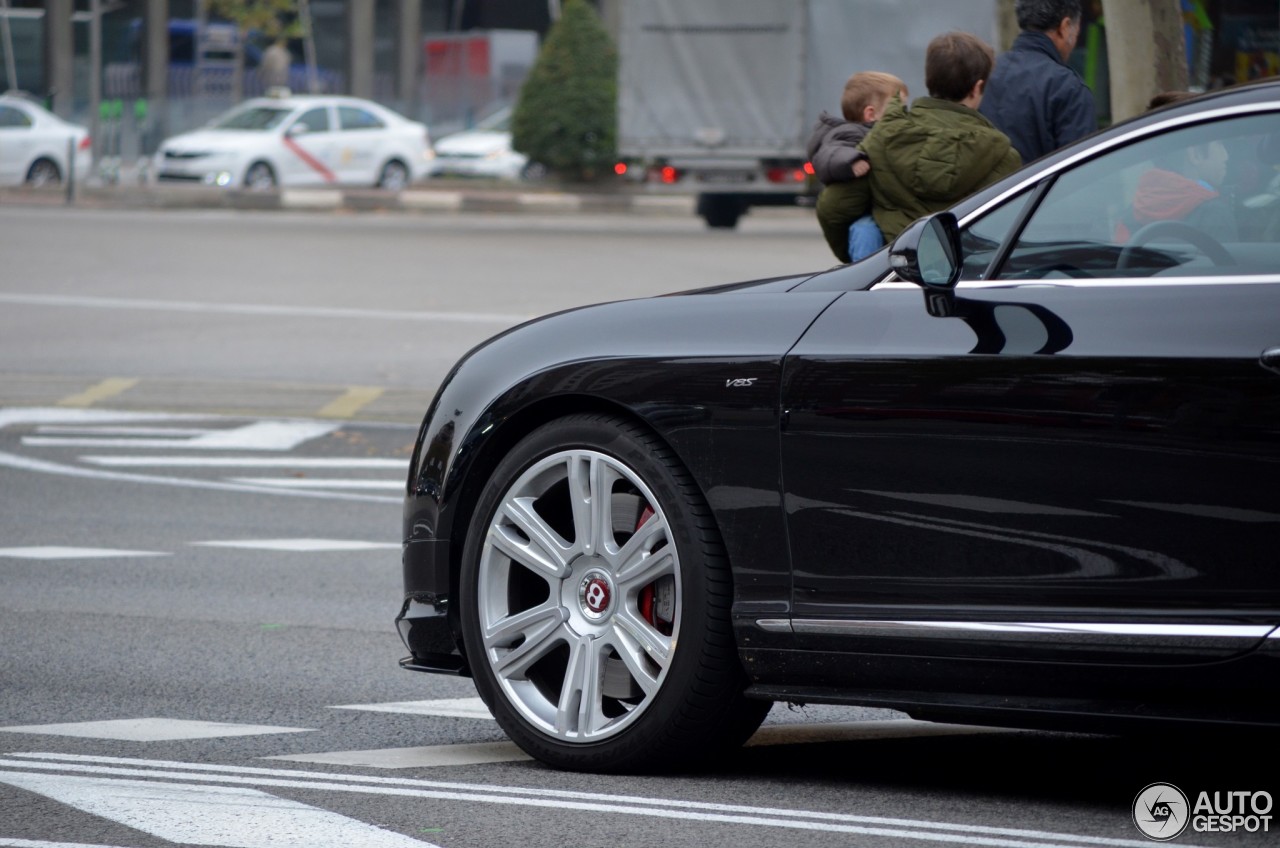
point(43, 171)
point(720, 211)
point(534, 172)
point(578, 668)
point(394, 176)
point(260, 177)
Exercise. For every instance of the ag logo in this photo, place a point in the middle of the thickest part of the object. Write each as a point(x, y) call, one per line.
point(1161, 812)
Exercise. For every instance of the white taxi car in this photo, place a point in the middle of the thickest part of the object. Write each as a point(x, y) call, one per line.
point(482, 151)
point(299, 140)
point(36, 145)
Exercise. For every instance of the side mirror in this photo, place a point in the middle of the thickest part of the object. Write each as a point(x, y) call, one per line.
point(928, 252)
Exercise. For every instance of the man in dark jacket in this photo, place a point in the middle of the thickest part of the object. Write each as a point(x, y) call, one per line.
point(1033, 96)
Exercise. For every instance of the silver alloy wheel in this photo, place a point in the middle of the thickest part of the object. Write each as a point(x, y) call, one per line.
point(260, 177)
point(43, 172)
point(579, 596)
point(395, 176)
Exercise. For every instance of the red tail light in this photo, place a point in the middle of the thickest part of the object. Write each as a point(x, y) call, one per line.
point(785, 175)
point(85, 143)
point(620, 168)
point(808, 169)
point(669, 174)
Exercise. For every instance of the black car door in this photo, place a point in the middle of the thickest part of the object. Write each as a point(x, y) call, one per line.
point(1074, 455)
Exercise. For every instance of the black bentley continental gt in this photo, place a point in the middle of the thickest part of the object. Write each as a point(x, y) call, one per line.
point(1022, 467)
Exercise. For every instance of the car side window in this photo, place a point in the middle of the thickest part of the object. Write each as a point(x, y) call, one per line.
point(1196, 200)
point(981, 240)
point(355, 118)
point(11, 117)
point(315, 120)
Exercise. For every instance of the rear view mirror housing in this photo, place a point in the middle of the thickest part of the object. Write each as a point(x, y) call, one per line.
point(928, 252)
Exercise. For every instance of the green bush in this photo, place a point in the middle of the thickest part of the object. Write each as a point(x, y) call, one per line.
point(566, 116)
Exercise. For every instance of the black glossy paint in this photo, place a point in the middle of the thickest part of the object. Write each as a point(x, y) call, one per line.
point(1102, 453)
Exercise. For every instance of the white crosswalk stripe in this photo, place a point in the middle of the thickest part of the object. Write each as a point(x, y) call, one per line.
point(64, 552)
point(151, 729)
point(86, 781)
point(196, 443)
point(303, 545)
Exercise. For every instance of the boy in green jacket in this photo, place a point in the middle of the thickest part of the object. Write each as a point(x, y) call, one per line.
point(926, 157)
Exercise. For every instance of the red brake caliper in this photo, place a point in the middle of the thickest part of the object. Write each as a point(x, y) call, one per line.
point(646, 594)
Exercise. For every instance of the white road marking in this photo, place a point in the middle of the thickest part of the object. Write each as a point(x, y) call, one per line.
point(1226, 513)
point(108, 430)
point(40, 843)
point(446, 707)
point(257, 436)
point(152, 729)
point(44, 467)
point(369, 463)
point(980, 504)
point(434, 756)
point(739, 814)
point(58, 415)
point(55, 552)
point(321, 483)
point(233, 817)
point(262, 309)
point(308, 545)
point(429, 756)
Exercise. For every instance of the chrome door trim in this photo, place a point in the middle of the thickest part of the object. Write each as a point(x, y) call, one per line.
point(1050, 631)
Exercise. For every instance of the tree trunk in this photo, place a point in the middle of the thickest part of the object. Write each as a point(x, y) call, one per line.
point(1145, 52)
point(1006, 25)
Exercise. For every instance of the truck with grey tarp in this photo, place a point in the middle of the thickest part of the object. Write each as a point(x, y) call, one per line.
point(718, 96)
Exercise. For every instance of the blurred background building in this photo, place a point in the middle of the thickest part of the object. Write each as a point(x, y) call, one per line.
point(154, 67)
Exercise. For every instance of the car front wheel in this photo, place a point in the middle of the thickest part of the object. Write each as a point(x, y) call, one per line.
point(595, 599)
point(394, 176)
point(260, 177)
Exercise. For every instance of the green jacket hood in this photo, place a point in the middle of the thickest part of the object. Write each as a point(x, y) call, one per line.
point(937, 150)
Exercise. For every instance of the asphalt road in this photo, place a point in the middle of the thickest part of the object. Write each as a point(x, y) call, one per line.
point(205, 420)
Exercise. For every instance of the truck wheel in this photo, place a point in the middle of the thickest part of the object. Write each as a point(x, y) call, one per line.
point(720, 211)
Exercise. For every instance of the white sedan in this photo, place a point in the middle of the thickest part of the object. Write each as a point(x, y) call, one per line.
point(482, 151)
point(34, 144)
point(299, 140)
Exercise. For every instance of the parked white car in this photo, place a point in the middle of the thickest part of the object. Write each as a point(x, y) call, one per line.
point(299, 140)
point(482, 151)
point(34, 144)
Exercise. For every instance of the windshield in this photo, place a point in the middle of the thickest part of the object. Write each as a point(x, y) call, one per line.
point(499, 121)
point(253, 118)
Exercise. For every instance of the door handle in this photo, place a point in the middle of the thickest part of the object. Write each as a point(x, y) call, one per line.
point(1271, 359)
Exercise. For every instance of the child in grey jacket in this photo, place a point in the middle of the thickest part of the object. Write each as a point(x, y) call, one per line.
point(833, 145)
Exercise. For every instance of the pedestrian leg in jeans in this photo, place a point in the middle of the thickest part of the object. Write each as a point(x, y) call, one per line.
point(864, 238)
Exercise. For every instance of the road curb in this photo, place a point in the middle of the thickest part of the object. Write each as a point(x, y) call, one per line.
point(413, 200)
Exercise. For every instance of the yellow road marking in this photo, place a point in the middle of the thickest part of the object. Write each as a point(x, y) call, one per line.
point(107, 388)
point(351, 402)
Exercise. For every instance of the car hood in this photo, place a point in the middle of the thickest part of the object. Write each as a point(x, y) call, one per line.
point(474, 143)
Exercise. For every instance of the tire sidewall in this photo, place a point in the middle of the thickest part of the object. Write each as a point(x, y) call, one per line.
point(699, 613)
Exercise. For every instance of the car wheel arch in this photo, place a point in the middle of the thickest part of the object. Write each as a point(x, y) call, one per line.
point(458, 511)
point(46, 161)
point(268, 162)
point(394, 159)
